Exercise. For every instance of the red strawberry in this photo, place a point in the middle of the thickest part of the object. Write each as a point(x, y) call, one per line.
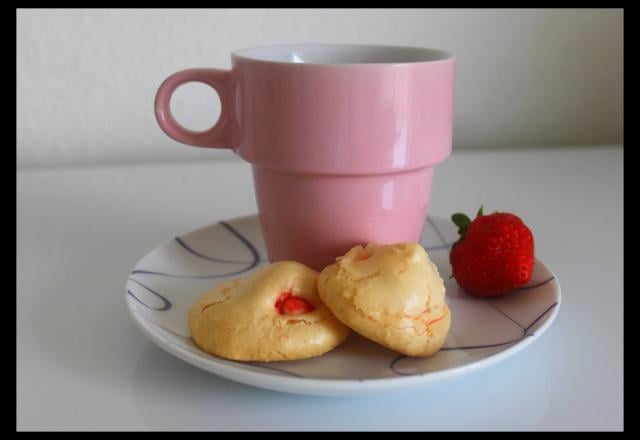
point(295, 306)
point(287, 304)
point(494, 255)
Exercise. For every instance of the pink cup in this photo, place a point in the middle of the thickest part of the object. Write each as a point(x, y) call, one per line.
point(342, 139)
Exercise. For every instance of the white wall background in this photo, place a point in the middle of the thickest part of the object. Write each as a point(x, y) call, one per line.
point(86, 79)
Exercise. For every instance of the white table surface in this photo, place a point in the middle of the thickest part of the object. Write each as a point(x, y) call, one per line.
point(82, 363)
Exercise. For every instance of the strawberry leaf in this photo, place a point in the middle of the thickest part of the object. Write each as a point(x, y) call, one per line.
point(480, 211)
point(462, 221)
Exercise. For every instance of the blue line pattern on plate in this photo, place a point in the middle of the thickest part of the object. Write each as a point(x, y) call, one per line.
point(255, 260)
point(438, 248)
point(247, 243)
point(267, 367)
point(531, 286)
point(506, 316)
point(166, 303)
point(439, 234)
point(198, 254)
point(540, 317)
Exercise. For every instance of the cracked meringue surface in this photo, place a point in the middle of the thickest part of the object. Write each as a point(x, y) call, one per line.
point(390, 294)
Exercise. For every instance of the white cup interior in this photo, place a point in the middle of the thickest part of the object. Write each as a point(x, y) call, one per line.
point(343, 54)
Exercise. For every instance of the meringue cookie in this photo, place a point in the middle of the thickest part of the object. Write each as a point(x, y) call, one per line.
point(273, 315)
point(390, 294)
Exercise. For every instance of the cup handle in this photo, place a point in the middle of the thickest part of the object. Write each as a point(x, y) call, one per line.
point(219, 135)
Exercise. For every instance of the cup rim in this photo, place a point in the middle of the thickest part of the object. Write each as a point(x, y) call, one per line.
point(438, 55)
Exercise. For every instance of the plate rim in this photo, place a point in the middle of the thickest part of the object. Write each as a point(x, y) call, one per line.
point(322, 386)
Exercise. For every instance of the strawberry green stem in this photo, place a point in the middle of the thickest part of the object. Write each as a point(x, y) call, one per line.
point(462, 221)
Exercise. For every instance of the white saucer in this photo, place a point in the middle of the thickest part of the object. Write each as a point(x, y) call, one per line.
point(165, 283)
